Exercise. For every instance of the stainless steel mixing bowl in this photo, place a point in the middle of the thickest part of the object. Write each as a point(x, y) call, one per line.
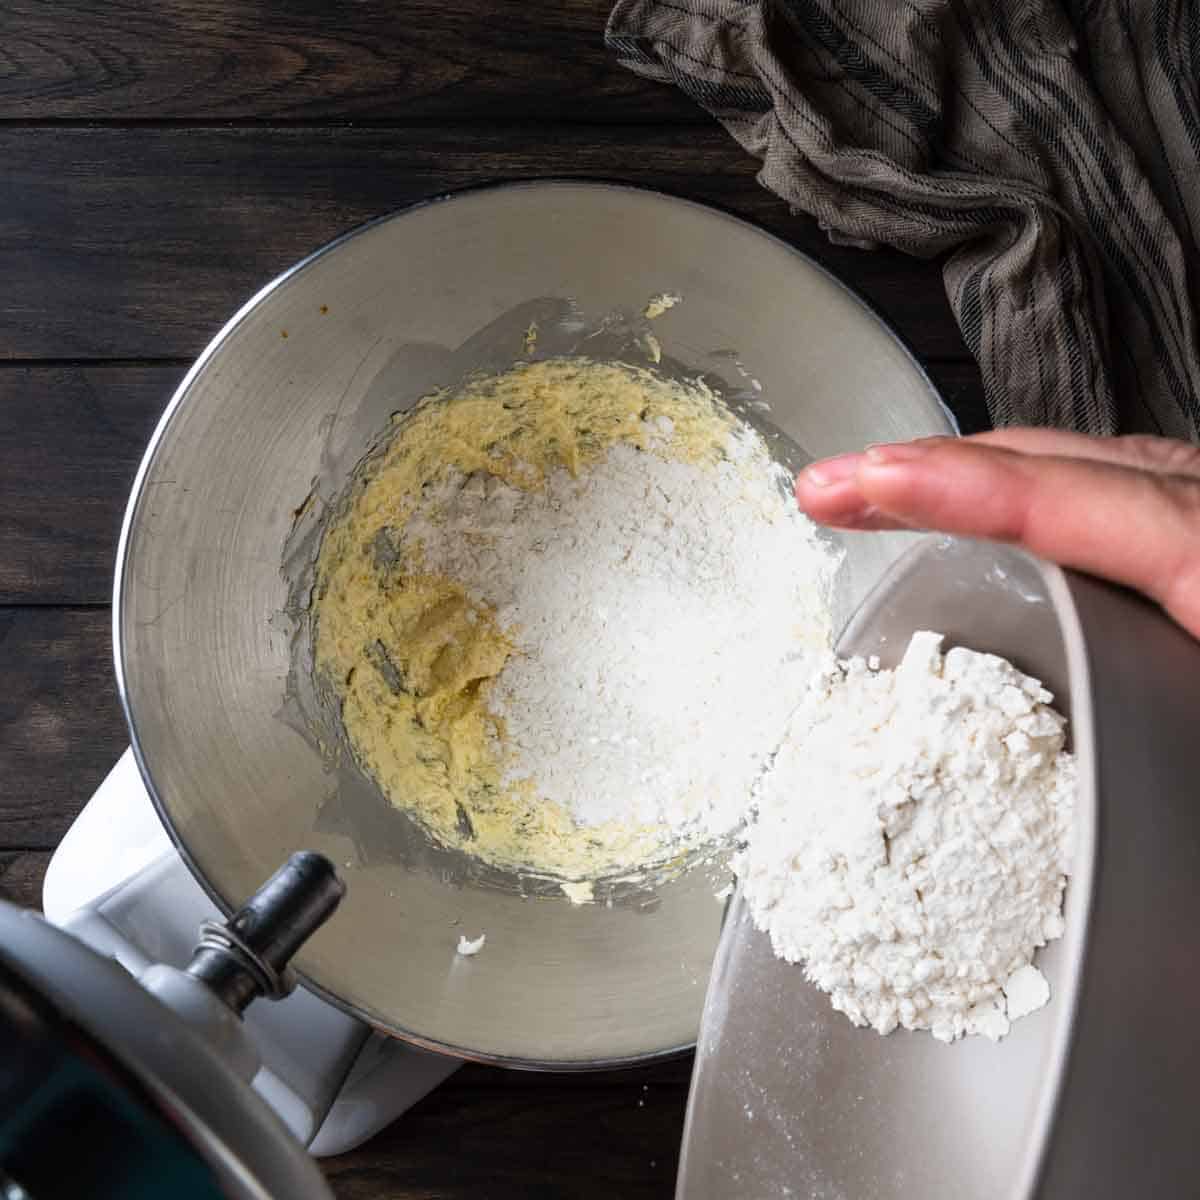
point(260, 436)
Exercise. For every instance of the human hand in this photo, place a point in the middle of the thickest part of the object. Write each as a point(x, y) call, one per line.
point(1127, 508)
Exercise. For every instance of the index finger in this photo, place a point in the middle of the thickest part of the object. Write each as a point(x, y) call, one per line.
point(1135, 527)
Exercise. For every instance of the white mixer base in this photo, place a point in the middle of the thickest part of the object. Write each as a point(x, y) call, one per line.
point(117, 882)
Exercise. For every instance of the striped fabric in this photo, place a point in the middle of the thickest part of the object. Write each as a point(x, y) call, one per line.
point(1051, 154)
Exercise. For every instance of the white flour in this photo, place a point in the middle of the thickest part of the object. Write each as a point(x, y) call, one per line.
point(666, 613)
point(913, 840)
point(468, 947)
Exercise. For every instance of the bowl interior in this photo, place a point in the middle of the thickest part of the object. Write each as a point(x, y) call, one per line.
point(261, 435)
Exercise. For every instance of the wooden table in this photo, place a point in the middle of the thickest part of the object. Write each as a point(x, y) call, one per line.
point(160, 163)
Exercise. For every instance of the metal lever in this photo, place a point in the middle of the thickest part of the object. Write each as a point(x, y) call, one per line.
point(248, 956)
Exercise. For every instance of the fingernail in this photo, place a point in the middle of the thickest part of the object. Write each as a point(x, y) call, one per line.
point(829, 471)
point(899, 452)
point(870, 517)
point(860, 518)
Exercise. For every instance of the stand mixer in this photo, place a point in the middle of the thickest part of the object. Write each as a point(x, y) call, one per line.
point(217, 790)
point(117, 883)
point(114, 1086)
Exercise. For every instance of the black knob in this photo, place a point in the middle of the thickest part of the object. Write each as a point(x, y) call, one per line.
point(248, 956)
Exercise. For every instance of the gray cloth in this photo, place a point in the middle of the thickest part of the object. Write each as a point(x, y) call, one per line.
point(1053, 155)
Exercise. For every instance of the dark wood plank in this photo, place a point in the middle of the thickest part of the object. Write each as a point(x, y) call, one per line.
point(140, 243)
point(70, 442)
point(60, 724)
point(21, 874)
point(203, 60)
point(507, 1137)
point(71, 439)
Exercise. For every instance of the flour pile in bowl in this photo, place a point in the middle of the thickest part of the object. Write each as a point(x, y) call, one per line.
point(566, 613)
point(913, 840)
